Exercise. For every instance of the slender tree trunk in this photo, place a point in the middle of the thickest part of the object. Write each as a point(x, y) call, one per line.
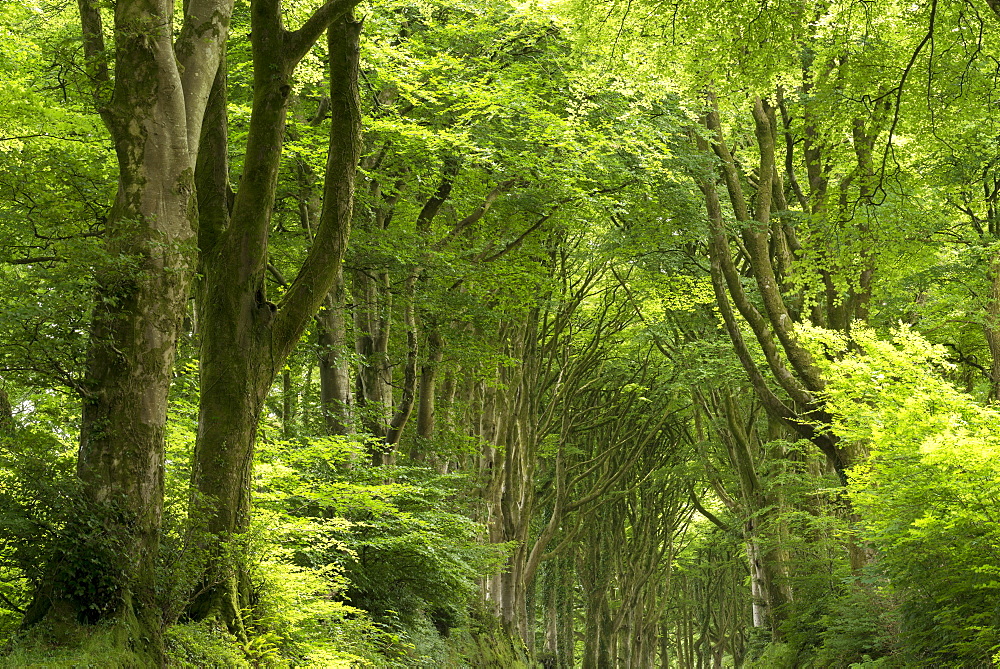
point(401, 415)
point(664, 645)
point(334, 366)
point(605, 638)
point(6, 412)
point(567, 622)
point(550, 590)
point(505, 499)
point(428, 395)
point(992, 326)
point(372, 307)
point(289, 404)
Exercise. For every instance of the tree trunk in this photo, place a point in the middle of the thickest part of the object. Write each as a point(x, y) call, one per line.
point(289, 404)
point(550, 590)
point(245, 338)
point(799, 377)
point(401, 415)
point(373, 384)
point(6, 412)
point(154, 117)
point(334, 366)
point(567, 626)
point(992, 326)
point(664, 645)
point(428, 399)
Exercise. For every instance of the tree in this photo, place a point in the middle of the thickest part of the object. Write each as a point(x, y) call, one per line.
point(152, 99)
point(246, 338)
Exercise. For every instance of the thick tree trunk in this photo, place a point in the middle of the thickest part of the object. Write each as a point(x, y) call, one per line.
point(245, 338)
point(236, 376)
point(154, 117)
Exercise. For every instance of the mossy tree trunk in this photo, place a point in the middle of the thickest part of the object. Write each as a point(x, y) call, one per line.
point(153, 106)
point(790, 364)
point(245, 338)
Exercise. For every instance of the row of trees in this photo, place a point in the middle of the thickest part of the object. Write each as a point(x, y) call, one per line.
point(613, 287)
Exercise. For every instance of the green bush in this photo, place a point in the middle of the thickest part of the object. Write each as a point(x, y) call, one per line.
point(49, 533)
point(927, 495)
point(195, 645)
point(863, 624)
point(349, 566)
point(397, 542)
point(775, 656)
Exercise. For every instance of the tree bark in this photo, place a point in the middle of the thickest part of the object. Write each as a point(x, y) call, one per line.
point(426, 419)
point(245, 338)
point(373, 383)
point(7, 423)
point(334, 366)
point(803, 381)
point(154, 115)
point(992, 326)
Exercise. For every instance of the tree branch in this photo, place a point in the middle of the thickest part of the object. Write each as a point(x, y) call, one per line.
point(320, 268)
point(6, 413)
point(721, 269)
point(277, 275)
point(11, 605)
point(478, 213)
point(483, 257)
point(93, 40)
point(199, 51)
point(994, 5)
point(32, 261)
point(96, 53)
point(298, 42)
point(440, 196)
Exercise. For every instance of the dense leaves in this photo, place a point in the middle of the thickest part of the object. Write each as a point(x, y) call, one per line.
point(667, 334)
